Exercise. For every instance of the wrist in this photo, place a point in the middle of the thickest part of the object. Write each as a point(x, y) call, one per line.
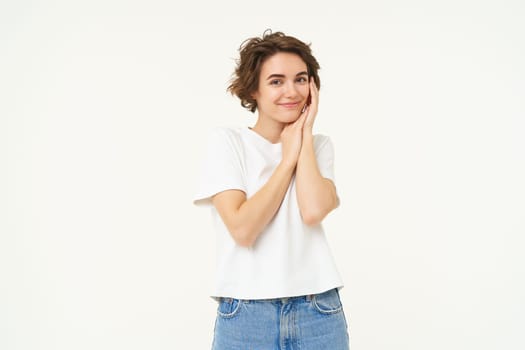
point(287, 165)
point(308, 135)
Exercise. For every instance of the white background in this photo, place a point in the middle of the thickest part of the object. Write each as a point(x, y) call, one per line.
point(103, 110)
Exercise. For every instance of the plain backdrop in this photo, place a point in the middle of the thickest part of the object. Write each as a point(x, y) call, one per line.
point(104, 109)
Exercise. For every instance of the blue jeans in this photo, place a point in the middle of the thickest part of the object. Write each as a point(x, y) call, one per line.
point(310, 322)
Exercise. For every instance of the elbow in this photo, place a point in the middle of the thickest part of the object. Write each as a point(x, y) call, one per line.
point(242, 233)
point(242, 237)
point(317, 206)
point(243, 242)
point(312, 218)
point(314, 214)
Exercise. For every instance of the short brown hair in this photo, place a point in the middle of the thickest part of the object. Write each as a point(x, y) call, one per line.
point(254, 52)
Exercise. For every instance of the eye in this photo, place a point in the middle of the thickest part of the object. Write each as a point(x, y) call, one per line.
point(276, 82)
point(302, 80)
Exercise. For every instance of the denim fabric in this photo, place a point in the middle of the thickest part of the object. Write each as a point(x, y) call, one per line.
point(307, 323)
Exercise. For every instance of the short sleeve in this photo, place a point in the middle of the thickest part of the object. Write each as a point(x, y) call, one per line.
point(222, 166)
point(324, 152)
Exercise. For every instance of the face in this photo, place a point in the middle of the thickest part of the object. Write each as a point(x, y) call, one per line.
point(283, 87)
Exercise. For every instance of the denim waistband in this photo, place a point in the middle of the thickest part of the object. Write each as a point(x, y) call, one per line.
point(301, 298)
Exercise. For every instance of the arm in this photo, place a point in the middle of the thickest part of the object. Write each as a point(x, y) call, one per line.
point(316, 195)
point(246, 218)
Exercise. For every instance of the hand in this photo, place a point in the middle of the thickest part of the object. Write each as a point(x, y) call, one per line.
point(311, 110)
point(292, 138)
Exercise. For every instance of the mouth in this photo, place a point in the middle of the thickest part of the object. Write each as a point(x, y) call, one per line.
point(291, 105)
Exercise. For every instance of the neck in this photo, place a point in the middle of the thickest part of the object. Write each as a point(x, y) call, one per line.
point(269, 129)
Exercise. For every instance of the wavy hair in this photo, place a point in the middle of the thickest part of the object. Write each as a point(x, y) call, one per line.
point(254, 52)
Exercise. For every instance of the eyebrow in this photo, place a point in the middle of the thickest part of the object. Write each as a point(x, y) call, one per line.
point(282, 75)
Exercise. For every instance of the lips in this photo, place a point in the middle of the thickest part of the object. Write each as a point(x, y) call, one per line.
point(289, 105)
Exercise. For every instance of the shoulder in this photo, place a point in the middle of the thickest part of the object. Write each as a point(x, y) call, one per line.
point(224, 135)
point(224, 139)
point(223, 132)
point(321, 141)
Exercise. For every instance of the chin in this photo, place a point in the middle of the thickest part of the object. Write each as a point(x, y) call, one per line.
point(290, 117)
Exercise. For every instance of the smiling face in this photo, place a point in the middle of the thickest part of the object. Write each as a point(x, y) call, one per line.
point(283, 88)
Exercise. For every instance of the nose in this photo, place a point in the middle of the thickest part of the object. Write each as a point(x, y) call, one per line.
point(290, 90)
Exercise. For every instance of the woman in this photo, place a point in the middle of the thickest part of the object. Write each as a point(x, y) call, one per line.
point(269, 187)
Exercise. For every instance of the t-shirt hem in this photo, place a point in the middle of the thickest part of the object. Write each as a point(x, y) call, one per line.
point(205, 197)
point(216, 296)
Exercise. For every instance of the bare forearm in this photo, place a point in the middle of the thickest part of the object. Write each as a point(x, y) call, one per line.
point(257, 211)
point(315, 194)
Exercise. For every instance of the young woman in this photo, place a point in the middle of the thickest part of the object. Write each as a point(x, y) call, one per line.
point(269, 187)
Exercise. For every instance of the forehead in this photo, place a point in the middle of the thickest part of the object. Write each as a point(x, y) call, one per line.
point(283, 63)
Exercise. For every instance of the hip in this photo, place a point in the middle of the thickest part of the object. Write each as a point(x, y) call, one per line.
point(305, 322)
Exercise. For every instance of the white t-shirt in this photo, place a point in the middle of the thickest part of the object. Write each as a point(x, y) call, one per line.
point(289, 258)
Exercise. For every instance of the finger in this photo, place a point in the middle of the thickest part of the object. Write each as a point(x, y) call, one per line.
point(314, 92)
point(301, 120)
point(303, 109)
point(304, 112)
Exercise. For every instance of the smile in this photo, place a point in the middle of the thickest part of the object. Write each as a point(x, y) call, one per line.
point(290, 105)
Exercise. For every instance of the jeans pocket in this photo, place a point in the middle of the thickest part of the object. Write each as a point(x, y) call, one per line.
point(228, 307)
point(328, 302)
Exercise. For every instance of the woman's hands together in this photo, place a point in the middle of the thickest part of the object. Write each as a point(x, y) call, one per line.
point(292, 138)
point(292, 134)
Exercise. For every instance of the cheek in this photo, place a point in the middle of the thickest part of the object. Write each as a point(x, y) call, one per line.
point(273, 96)
point(264, 93)
point(305, 90)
